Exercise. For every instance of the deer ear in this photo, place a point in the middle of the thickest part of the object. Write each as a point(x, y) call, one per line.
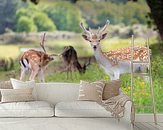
point(85, 37)
point(103, 36)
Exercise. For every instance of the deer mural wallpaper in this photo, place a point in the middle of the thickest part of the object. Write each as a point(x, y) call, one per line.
point(67, 41)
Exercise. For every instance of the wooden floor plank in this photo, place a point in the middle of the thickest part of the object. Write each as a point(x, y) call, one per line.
point(135, 127)
point(152, 126)
point(148, 117)
point(160, 124)
point(141, 126)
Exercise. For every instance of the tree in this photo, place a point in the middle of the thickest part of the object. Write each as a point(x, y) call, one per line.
point(26, 24)
point(73, 1)
point(65, 16)
point(22, 12)
point(33, 1)
point(43, 22)
point(37, 19)
point(156, 7)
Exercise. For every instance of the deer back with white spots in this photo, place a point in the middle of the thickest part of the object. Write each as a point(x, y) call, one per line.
point(114, 62)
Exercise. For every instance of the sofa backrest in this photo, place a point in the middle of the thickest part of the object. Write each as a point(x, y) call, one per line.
point(57, 92)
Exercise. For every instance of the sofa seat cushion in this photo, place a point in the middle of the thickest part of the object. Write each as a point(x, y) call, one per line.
point(80, 109)
point(26, 109)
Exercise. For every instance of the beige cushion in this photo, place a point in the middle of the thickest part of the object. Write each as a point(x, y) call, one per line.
point(111, 89)
point(16, 95)
point(5, 85)
point(80, 109)
point(17, 84)
point(26, 109)
point(91, 91)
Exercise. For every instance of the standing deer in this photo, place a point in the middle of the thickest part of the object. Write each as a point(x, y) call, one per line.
point(70, 57)
point(113, 62)
point(35, 62)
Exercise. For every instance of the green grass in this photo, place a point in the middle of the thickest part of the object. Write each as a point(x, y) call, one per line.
point(93, 73)
point(7, 51)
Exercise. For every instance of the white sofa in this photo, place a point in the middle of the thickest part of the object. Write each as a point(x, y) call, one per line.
point(57, 108)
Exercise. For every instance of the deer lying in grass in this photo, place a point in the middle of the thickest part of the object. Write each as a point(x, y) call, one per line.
point(114, 62)
point(35, 62)
point(70, 58)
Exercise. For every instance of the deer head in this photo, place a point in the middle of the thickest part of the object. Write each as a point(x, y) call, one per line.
point(86, 64)
point(94, 37)
point(45, 58)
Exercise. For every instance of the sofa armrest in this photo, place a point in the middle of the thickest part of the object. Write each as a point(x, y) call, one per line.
point(127, 113)
point(126, 120)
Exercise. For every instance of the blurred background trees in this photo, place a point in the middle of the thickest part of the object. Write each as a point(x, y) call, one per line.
point(7, 14)
point(66, 16)
point(50, 15)
point(154, 17)
point(26, 24)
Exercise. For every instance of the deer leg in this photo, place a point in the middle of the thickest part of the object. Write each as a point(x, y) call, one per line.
point(110, 75)
point(67, 71)
point(33, 74)
point(22, 75)
point(113, 76)
point(41, 75)
point(71, 72)
point(116, 75)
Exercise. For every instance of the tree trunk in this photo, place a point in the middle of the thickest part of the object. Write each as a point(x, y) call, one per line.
point(156, 7)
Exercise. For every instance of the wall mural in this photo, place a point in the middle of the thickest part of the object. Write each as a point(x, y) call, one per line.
point(87, 40)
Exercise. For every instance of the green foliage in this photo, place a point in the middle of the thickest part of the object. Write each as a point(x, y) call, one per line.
point(43, 22)
point(38, 20)
point(65, 15)
point(117, 12)
point(22, 12)
point(26, 24)
point(92, 74)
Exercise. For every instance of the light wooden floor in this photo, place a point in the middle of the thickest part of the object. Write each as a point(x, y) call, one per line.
point(148, 126)
point(143, 122)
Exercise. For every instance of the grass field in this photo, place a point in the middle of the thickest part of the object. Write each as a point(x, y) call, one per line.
point(7, 51)
point(94, 72)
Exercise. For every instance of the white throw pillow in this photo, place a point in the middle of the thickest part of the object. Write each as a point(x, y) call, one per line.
point(17, 84)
